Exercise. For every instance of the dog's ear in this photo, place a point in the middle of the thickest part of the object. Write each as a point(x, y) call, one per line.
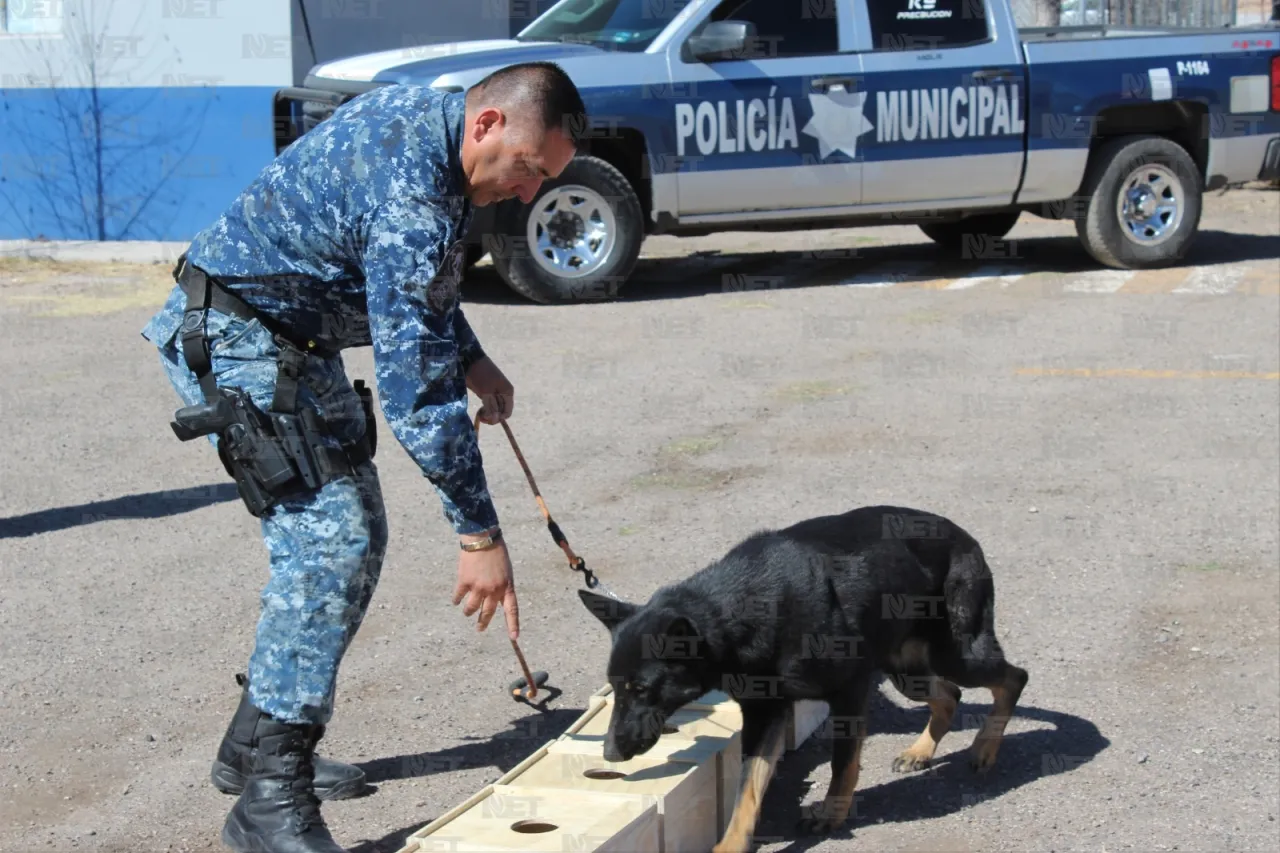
point(610, 611)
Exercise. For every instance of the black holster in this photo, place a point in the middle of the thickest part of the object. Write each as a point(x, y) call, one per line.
point(270, 454)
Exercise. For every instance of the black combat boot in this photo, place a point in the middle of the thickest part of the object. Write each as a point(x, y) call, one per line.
point(334, 780)
point(278, 811)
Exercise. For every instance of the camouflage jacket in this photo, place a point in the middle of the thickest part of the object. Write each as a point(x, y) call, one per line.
point(352, 237)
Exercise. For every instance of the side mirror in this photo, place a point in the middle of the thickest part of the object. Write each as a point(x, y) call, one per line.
point(721, 40)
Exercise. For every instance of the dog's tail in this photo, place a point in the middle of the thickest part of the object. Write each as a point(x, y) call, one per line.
point(971, 599)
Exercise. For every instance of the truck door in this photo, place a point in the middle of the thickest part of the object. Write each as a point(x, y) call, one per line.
point(946, 91)
point(775, 128)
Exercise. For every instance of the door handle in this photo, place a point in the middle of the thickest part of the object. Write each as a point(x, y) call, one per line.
point(989, 74)
point(821, 84)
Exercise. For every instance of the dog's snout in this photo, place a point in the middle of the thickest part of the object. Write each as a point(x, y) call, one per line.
point(623, 742)
point(615, 751)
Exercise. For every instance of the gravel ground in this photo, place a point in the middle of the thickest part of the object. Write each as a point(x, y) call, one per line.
point(1131, 521)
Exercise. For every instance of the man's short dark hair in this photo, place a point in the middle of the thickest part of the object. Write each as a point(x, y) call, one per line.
point(540, 90)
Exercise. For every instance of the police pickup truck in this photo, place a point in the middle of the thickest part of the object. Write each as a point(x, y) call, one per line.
point(732, 115)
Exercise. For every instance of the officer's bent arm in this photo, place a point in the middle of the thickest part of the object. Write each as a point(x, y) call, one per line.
point(417, 357)
point(469, 348)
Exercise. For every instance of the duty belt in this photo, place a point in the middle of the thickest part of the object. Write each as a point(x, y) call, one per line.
point(299, 433)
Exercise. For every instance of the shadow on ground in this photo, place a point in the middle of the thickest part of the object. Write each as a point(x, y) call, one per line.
point(503, 751)
point(705, 273)
point(146, 505)
point(949, 786)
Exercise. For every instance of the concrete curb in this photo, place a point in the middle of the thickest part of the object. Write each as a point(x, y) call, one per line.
point(111, 251)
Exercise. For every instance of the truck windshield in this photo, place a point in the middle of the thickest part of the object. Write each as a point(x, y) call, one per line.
point(620, 24)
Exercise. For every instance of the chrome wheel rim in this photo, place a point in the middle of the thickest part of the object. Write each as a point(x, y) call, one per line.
point(572, 231)
point(1150, 205)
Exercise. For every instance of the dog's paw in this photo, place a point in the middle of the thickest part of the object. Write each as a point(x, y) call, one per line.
point(817, 825)
point(982, 755)
point(723, 847)
point(816, 821)
point(909, 762)
point(733, 842)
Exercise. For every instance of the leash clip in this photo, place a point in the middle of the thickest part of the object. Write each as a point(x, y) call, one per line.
point(580, 565)
point(591, 580)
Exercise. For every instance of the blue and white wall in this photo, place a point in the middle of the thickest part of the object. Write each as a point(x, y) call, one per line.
point(134, 119)
point(142, 119)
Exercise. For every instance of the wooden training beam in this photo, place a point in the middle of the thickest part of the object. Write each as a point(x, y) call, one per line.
point(676, 798)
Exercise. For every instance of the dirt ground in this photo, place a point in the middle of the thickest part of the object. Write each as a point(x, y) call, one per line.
point(1115, 447)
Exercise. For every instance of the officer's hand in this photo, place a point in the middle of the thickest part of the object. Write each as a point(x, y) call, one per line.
point(488, 577)
point(497, 396)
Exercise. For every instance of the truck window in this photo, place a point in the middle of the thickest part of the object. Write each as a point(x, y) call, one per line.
point(627, 25)
point(926, 24)
point(784, 27)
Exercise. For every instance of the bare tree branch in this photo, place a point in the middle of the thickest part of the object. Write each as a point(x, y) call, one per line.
point(92, 166)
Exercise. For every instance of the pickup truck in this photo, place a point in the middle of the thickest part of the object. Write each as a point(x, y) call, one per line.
point(772, 115)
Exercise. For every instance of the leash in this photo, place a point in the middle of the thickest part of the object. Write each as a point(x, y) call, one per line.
point(576, 563)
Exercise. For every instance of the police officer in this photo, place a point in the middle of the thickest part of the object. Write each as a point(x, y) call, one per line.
point(351, 237)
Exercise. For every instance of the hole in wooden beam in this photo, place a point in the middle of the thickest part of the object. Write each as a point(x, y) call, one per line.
point(601, 773)
point(533, 826)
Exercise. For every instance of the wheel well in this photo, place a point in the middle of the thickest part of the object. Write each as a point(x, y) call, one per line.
point(1183, 122)
point(624, 149)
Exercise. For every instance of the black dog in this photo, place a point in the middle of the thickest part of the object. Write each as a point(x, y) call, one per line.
point(815, 611)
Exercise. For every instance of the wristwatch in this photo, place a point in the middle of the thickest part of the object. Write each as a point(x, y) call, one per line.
point(481, 544)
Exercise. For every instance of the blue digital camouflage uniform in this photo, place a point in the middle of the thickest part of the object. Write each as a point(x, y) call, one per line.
point(351, 237)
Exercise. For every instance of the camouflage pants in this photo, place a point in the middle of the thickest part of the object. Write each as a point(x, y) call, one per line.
point(325, 547)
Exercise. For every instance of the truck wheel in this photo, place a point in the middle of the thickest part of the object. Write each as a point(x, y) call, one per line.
point(951, 235)
point(578, 241)
point(1144, 203)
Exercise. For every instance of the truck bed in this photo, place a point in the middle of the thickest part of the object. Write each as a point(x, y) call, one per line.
point(1096, 31)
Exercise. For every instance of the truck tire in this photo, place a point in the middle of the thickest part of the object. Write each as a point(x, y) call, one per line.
point(951, 235)
point(1143, 197)
point(578, 241)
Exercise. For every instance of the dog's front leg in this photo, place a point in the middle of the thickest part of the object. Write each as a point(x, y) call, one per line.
point(848, 722)
point(764, 737)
